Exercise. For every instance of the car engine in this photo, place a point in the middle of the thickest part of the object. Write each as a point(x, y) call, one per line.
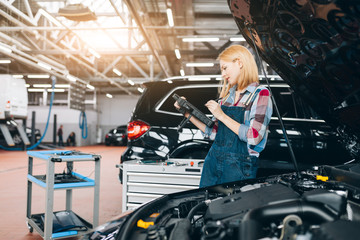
point(322, 204)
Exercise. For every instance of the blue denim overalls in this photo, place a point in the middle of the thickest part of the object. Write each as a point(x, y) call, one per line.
point(228, 158)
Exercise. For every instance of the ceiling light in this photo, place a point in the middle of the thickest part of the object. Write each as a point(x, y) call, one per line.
point(169, 81)
point(177, 53)
point(62, 85)
point(5, 61)
point(198, 39)
point(182, 72)
point(117, 72)
point(36, 90)
point(109, 95)
point(17, 76)
point(5, 49)
point(237, 39)
point(170, 17)
point(42, 85)
point(38, 76)
point(90, 86)
point(93, 52)
point(200, 64)
point(56, 90)
point(27, 85)
point(131, 82)
point(71, 78)
point(140, 90)
point(219, 78)
point(199, 78)
point(44, 65)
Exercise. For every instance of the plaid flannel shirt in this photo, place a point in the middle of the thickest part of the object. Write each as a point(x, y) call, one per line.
point(257, 117)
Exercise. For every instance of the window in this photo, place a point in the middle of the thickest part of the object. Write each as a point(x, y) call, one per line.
point(197, 96)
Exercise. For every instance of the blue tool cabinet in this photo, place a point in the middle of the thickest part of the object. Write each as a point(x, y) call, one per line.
point(69, 181)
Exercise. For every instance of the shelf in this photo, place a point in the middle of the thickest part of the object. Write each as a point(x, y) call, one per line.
point(86, 182)
point(69, 227)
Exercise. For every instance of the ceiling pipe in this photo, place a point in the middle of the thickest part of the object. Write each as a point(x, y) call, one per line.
point(23, 47)
point(145, 35)
point(34, 64)
point(12, 19)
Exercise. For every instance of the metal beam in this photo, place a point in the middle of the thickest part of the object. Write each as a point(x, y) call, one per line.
point(92, 28)
point(145, 35)
point(95, 71)
point(119, 52)
point(135, 65)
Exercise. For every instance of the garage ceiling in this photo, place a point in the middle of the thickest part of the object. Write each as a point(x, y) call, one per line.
point(131, 36)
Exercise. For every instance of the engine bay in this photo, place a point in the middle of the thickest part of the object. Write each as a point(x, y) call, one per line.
point(279, 207)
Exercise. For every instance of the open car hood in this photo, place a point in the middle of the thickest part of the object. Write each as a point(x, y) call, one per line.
point(314, 46)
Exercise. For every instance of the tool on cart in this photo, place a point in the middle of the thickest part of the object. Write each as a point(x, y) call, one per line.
point(185, 106)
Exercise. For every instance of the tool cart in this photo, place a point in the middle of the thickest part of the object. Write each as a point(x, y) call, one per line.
point(61, 224)
point(146, 180)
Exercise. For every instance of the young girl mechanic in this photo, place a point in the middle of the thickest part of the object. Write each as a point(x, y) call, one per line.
point(241, 120)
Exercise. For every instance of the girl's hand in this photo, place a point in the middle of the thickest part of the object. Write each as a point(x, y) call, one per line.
point(215, 109)
point(176, 105)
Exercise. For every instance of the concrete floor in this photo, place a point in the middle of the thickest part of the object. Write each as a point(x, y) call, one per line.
point(13, 190)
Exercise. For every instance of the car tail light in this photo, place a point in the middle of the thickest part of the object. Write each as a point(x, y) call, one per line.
point(107, 135)
point(136, 129)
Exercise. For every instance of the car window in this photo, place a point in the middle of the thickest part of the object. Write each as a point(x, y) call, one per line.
point(197, 96)
point(287, 102)
point(291, 105)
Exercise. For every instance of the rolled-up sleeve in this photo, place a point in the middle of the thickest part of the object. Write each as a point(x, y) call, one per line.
point(259, 118)
point(243, 129)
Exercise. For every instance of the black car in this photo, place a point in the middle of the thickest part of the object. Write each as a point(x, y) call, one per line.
point(117, 136)
point(153, 130)
point(315, 47)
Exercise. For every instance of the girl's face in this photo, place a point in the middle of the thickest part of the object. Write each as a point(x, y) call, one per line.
point(230, 71)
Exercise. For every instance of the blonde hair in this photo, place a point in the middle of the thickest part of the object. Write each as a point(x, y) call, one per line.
point(249, 73)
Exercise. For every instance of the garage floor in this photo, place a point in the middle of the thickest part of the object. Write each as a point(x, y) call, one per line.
point(13, 190)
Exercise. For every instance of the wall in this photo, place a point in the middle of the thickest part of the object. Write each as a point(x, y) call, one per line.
point(109, 114)
point(115, 111)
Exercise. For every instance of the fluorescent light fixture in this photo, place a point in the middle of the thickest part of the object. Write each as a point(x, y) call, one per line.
point(199, 78)
point(219, 78)
point(62, 85)
point(71, 78)
point(90, 86)
point(18, 76)
point(27, 85)
point(36, 90)
point(109, 95)
point(38, 76)
point(237, 39)
point(117, 72)
point(93, 52)
point(5, 49)
point(177, 53)
point(42, 85)
point(130, 82)
point(200, 39)
point(169, 81)
point(200, 64)
point(140, 90)
point(5, 61)
point(182, 72)
point(44, 65)
point(56, 90)
point(170, 17)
